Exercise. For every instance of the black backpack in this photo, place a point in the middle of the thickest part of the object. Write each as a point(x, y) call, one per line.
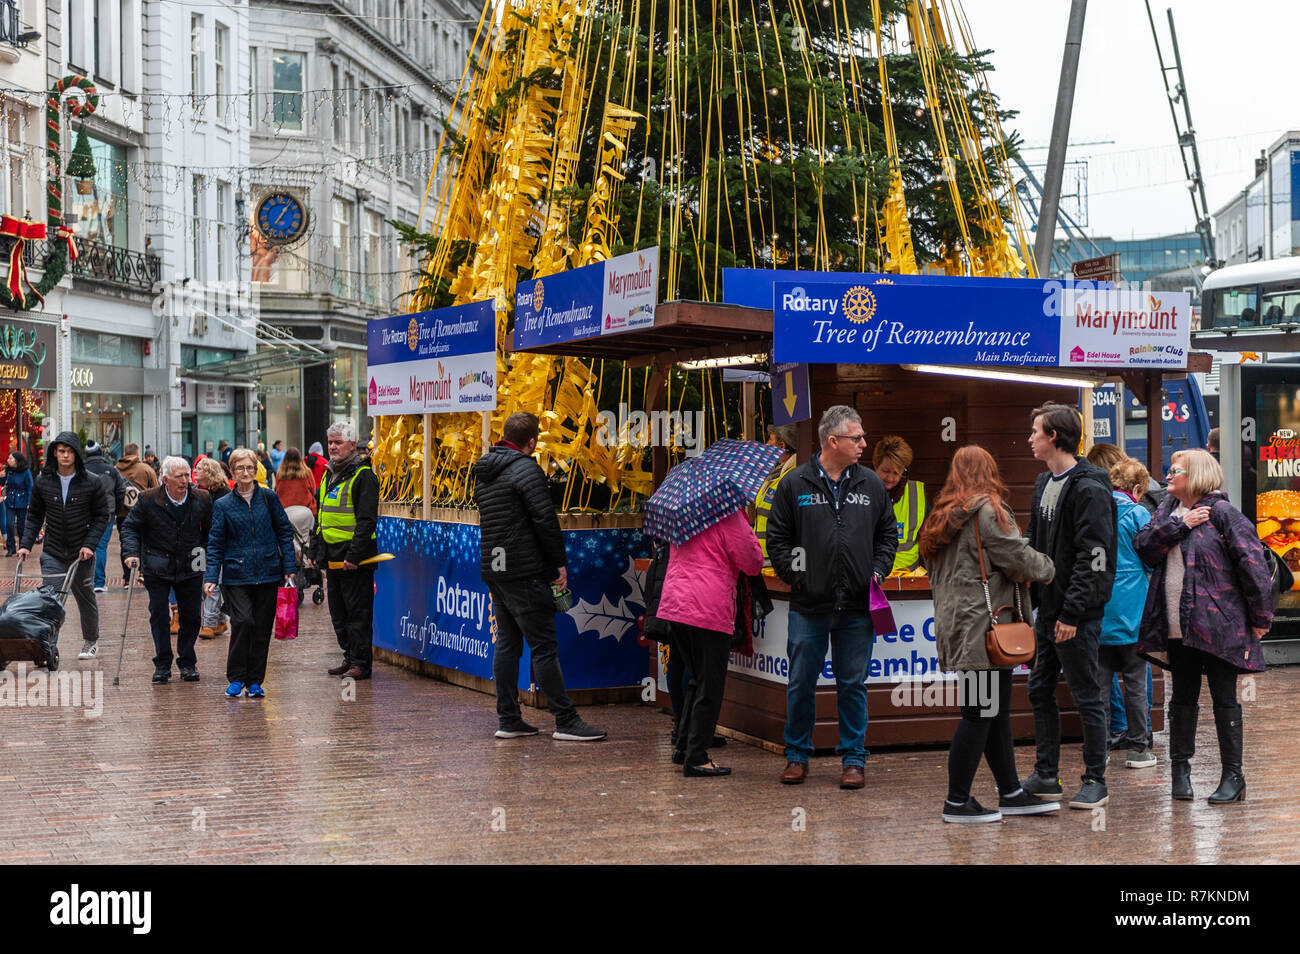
point(657, 629)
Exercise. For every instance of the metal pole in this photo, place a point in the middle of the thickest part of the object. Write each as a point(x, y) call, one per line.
point(1202, 213)
point(1060, 137)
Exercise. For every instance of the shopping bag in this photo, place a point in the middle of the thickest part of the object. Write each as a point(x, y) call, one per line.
point(286, 612)
point(882, 617)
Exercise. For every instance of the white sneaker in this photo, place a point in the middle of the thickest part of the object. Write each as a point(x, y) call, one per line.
point(88, 651)
point(1140, 758)
point(101, 589)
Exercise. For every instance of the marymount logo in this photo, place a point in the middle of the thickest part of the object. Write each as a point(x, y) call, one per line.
point(859, 304)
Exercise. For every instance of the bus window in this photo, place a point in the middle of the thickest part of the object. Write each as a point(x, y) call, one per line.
point(1234, 307)
point(1279, 302)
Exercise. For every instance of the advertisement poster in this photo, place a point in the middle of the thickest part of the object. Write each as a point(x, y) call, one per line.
point(608, 297)
point(431, 603)
point(433, 361)
point(1271, 465)
point(1132, 329)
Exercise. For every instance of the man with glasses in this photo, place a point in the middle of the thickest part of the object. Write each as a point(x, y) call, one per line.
point(1072, 520)
point(830, 532)
point(166, 535)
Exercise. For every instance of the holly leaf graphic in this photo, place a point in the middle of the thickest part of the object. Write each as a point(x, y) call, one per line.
point(634, 579)
point(605, 618)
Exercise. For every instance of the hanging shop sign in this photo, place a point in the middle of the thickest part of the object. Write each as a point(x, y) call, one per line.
point(616, 295)
point(1018, 322)
point(433, 361)
point(213, 398)
point(27, 356)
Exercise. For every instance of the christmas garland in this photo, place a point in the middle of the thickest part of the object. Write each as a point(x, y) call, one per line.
point(61, 245)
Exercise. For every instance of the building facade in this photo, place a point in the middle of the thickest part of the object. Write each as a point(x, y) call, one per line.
point(1262, 221)
point(348, 98)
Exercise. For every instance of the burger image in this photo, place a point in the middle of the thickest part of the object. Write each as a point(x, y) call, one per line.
point(1277, 516)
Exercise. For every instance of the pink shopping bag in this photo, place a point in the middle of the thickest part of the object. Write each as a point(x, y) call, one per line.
point(882, 617)
point(286, 612)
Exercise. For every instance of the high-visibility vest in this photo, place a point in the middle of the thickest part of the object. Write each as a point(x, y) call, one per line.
point(338, 521)
point(763, 502)
point(909, 513)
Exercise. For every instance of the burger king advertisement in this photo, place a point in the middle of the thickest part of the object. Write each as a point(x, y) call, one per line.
point(1272, 471)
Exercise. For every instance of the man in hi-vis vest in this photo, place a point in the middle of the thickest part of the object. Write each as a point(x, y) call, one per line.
point(346, 513)
point(891, 458)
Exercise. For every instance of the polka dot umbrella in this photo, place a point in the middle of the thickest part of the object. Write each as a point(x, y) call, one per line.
point(701, 491)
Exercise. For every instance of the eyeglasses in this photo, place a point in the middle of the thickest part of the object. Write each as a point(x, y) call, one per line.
point(244, 468)
point(1175, 471)
point(856, 438)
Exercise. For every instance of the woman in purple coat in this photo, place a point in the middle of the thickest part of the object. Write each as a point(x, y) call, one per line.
point(1209, 602)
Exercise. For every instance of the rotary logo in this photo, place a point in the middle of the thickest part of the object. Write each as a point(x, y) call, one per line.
point(413, 334)
point(859, 304)
point(539, 295)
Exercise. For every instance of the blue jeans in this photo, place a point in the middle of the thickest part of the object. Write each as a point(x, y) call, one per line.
point(851, 640)
point(101, 554)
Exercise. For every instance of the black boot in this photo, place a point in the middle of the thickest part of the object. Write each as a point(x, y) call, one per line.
point(1232, 784)
point(1182, 746)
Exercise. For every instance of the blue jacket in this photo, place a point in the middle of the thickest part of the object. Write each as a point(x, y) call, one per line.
point(1119, 626)
point(18, 489)
point(249, 543)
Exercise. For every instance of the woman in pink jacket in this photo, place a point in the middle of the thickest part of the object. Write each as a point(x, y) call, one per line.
point(699, 599)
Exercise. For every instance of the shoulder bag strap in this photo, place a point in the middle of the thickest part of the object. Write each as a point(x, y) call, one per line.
point(984, 579)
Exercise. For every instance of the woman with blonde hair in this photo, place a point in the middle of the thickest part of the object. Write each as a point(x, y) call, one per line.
point(890, 459)
point(971, 519)
point(1209, 601)
point(294, 484)
point(250, 550)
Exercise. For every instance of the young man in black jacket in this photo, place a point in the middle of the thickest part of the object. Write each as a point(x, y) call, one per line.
point(1072, 520)
point(166, 532)
point(831, 530)
point(523, 552)
point(73, 507)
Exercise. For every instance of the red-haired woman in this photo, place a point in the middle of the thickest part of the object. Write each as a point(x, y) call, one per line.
point(974, 494)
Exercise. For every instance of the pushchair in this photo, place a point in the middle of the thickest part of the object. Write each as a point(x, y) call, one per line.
point(305, 579)
point(29, 622)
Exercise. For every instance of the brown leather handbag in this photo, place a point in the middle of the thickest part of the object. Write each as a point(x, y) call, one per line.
point(1008, 644)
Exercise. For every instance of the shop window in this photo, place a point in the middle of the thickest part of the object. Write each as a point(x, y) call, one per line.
point(102, 215)
point(93, 347)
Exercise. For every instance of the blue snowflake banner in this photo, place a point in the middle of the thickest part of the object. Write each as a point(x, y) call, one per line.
point(432, 604)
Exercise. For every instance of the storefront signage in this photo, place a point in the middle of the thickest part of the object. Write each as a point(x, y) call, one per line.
point(609, 297)
point(972, 321)
point(433, 361)
point(431, 603)
point(213, 398)
point(27, 356)
point(108, 379)
point(82, 377)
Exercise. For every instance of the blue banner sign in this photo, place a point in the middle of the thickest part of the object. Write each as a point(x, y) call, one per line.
point(753, 286)
point(609, 297)
point(432, 604)
point(847, 322)
point(433, 361)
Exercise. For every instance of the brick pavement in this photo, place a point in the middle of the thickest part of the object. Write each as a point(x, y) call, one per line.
point(408, 772)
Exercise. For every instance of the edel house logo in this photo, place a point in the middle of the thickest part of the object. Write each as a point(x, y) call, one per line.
point(1076, 354)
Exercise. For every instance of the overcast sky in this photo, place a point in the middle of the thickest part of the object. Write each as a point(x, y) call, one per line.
point(1239, 59)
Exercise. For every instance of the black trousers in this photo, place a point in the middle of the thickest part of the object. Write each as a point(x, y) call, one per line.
point(189, 607)
point(705, 654)
point(252, 620)
point(1189, 665)
point(987, 733)
point(525, 611)
point(351, 595)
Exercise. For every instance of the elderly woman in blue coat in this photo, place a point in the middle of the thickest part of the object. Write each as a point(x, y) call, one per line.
point(250, 549)
point(1117, 653)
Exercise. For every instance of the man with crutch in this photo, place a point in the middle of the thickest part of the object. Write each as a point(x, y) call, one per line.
point(166, 536)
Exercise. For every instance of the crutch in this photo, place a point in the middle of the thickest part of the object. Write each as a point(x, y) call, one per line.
point(135, 575)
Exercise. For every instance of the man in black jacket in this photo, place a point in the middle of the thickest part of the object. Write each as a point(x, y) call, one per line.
point(73, 507)
point(831, 530)
point(347, 513)
point(1072, 520)
point(166, 534)
point(115, 489)
point(523, 552)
